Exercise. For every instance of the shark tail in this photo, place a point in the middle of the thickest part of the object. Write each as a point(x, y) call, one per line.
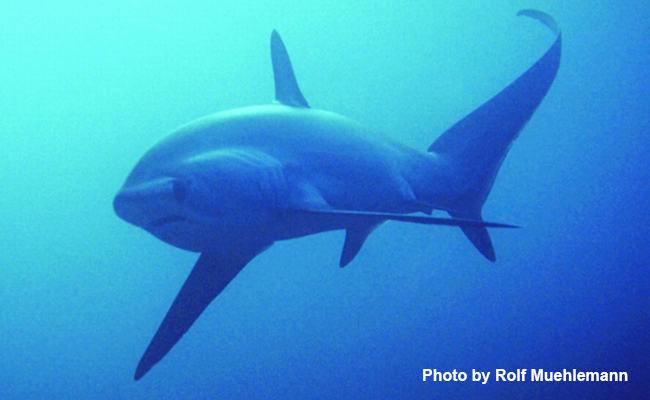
point(475, 147)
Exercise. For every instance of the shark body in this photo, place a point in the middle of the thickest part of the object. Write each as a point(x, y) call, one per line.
point(231, 184)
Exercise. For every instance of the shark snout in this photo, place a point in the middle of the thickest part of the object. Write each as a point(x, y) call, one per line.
point(126, 207)
point(148, 205)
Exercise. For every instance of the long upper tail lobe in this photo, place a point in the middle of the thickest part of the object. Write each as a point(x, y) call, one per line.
point(476, 146)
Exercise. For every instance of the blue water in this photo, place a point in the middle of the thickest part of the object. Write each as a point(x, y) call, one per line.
point(87, 88)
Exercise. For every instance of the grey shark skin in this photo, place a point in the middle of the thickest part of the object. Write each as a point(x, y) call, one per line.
point(231, 184)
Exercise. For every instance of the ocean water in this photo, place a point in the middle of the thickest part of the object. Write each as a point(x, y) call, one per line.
point(88, 87)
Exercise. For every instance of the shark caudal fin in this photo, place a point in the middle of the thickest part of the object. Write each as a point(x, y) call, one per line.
point(476, 146)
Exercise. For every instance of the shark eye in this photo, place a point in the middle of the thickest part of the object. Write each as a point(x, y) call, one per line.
point(179, 190)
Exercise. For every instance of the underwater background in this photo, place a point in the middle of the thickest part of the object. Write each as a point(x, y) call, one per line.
point(88, 87)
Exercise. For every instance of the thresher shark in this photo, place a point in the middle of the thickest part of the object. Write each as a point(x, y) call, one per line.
point(231, 184)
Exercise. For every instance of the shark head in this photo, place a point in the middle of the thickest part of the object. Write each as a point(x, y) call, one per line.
point(194, 201)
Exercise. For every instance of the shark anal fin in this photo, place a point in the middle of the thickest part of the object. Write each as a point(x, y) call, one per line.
point(212, 273)
point(287, 91)
point(355, 236)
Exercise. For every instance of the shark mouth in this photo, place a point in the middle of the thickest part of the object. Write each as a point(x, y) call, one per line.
point(166, 220)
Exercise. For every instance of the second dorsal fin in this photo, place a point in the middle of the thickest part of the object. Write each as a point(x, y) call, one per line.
point(287, 91)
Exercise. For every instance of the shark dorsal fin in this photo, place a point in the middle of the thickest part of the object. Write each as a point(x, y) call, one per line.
point(287, 91)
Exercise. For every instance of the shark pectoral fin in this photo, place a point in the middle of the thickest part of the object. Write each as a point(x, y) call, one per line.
point(359, 224)
point(212, 273)
point(345, 218)
point(287, 91)
point(355, 236)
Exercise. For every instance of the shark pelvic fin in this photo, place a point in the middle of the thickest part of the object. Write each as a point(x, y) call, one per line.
point(287, 91)
point(212, 273)
point(355, 236)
